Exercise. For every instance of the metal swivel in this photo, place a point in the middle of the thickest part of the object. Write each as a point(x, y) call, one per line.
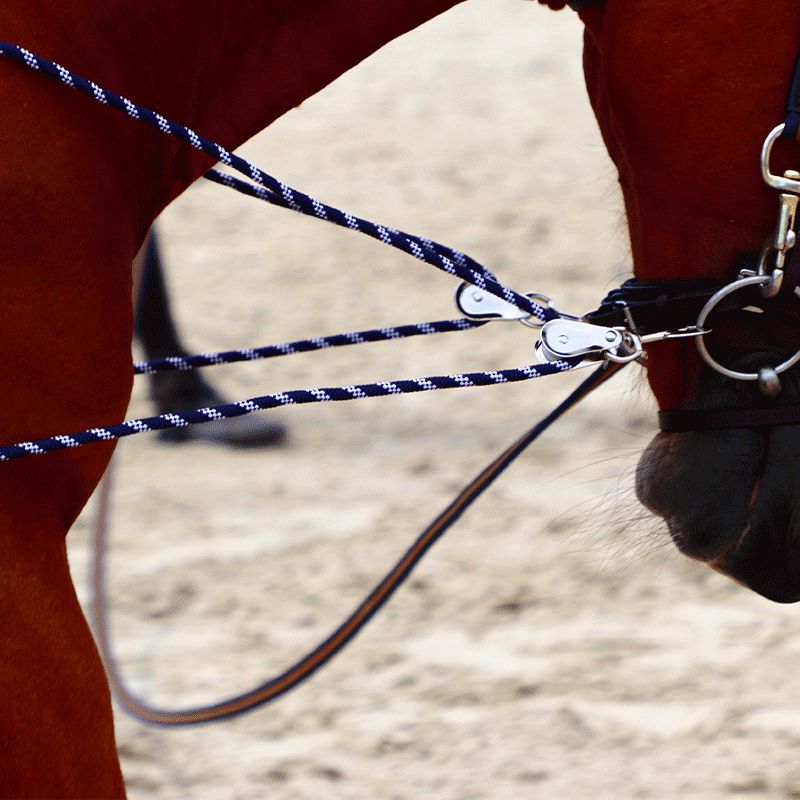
point(769, 382)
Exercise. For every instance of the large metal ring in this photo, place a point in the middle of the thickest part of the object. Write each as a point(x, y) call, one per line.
point(714, 300)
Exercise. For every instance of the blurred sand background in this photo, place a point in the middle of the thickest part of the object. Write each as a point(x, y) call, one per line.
point(553, 645)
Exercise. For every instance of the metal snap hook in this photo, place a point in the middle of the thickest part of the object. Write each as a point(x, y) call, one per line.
point(786, 183)
point(772, 285)
point(631, 349)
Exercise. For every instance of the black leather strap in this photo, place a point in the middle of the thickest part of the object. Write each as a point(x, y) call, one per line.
point(669, 305)
point(682, 420)
point(656, 306)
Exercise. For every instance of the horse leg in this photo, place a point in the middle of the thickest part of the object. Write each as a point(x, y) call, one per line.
point(65, 357)
point(56, 729)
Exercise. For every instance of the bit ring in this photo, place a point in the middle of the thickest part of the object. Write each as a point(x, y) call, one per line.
point(713, 302)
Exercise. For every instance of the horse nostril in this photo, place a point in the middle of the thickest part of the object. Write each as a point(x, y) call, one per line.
point(728, 498)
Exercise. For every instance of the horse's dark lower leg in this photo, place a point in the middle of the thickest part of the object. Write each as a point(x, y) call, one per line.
point(157, 333)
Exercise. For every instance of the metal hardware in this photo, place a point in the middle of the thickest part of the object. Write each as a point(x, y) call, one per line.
point(785, 237)
point(562, 339)
point(565, 338)
point(783, 240)
point(689, 332)
point(475, 303)
point(478, 304)
point(774, 276)
point(713, 302)
point(542, 300)
point(786, 183)
point(769, 382)
point(769, 276)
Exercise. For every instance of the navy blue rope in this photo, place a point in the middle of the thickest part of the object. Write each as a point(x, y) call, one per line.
point(791, 126)
point(186, 362)
point(294, 397)
point(450, 261)
point(262, 193)
point(267, 188)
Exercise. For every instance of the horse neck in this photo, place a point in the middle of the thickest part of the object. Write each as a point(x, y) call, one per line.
point(225, 74)
point(684, 106)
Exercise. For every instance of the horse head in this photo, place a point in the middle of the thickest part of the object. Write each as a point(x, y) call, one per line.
point(685, 94)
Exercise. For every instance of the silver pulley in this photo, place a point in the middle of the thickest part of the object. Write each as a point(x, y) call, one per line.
point(566, 338)
point(479, 304)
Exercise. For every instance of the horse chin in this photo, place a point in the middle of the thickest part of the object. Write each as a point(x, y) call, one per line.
point(731, 499)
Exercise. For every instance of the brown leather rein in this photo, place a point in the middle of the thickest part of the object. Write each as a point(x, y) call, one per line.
point(274, 687)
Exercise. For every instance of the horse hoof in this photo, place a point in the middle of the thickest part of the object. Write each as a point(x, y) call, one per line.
point(244, 432)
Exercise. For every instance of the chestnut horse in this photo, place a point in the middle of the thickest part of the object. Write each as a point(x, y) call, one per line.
point(684, 93)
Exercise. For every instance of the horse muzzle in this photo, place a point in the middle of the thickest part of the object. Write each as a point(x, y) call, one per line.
point(731, 496)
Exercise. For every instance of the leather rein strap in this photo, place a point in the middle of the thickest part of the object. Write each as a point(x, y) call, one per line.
point(302, 669)
point(652, 306)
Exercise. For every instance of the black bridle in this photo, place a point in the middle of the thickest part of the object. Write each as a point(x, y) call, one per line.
point(645, 308)
point(652, 306)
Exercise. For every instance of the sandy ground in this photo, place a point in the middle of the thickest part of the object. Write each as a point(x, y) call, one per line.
point(554, 645)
